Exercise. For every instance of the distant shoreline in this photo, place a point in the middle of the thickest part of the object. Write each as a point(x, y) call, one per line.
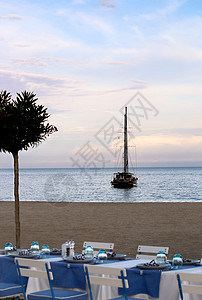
point(143, 167)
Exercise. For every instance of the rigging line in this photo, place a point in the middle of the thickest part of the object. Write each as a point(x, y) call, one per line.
point(136, 158)
point(131, 161)
point(120, 158)
point(117, 159)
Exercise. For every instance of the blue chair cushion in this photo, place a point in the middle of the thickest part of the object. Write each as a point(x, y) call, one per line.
point(10, 289)
point(59, 295)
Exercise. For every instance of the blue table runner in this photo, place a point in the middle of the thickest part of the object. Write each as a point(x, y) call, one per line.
point(143, 282)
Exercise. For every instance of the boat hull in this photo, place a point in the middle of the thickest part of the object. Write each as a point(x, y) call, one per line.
point(123, 185)
point(124, 180)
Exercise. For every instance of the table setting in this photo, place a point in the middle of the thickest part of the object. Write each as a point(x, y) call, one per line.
point(147, 278)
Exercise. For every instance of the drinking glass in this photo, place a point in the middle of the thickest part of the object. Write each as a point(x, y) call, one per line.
point(8, 248)
point(102, 255)
point(177, 261)
point(89, 253)
point(45, 251)
point(161, 257)
point(34, 246)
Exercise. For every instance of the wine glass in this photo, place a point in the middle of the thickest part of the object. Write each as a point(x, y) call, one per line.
point(88, 252)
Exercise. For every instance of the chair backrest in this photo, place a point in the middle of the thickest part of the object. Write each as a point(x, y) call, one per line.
point(33, 268)
point(99, 275)
point(150, 252)
point(97, 246)
point(190, 283)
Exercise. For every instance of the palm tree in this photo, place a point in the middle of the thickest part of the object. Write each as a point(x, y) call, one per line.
point(23, 124)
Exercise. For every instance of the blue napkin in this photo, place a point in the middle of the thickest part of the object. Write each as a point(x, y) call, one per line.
point(143, 282)
point(68, 275)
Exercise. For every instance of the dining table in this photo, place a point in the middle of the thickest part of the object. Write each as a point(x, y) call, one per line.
point(143, 283)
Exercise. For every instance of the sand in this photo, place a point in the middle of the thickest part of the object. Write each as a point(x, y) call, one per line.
point(127, 225)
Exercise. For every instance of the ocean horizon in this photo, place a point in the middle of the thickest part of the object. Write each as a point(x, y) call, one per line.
point(155, 184)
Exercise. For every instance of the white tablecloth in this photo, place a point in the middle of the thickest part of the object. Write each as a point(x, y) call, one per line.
point(35, 284)
point(168, 284)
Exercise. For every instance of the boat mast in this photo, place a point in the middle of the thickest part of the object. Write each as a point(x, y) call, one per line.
point(125, 143)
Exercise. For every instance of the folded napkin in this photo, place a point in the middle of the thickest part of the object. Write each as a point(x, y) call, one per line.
point(143, 282)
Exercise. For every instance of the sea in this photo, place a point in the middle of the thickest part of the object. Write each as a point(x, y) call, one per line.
point(179, 184)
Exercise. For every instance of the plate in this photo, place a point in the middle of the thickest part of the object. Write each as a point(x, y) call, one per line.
point(188, 262)
point(78, 261)
point(58, 252)
point(191, 262)
point(160, 267)
point(16, 254)
point(117, 256)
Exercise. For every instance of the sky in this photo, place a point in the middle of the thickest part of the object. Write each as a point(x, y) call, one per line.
point(87, 59)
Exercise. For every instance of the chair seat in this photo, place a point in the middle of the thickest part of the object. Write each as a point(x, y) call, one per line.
point(10, 289)
point(123, 298)
point(59, 295)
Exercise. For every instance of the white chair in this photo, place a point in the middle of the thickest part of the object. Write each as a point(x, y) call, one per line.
point(150, 252)
point(190, 283)
point(112, 277)
point(98, 246)
point(42, 270)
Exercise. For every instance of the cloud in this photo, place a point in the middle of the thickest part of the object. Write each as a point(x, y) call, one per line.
point(137, 85)
point(75, 2)
point(22, 45)
point(163, 12)
point(44, 61)
point(40, 83)
point(32, 61)
point(88, 21)
point(140, 82)
point(61, 85)
point(107, 3)
point(39, 77)
point(159, 141)
point(121, 63)
point(11, 17)
point(95, 23)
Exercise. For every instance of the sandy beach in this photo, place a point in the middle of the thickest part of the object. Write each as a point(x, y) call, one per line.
point(127, 225)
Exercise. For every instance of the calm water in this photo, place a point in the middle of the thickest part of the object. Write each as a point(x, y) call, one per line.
point(93, 185)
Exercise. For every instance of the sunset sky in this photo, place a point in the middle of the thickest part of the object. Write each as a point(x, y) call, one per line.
point(87, 59)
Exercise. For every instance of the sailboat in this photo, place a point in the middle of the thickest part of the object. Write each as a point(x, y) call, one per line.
point(124, 179)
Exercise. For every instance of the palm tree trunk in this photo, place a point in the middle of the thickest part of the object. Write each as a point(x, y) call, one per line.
point(17, 204)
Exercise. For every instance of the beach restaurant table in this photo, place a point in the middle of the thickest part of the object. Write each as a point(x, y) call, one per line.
point(160, 285)
point(168, 287)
